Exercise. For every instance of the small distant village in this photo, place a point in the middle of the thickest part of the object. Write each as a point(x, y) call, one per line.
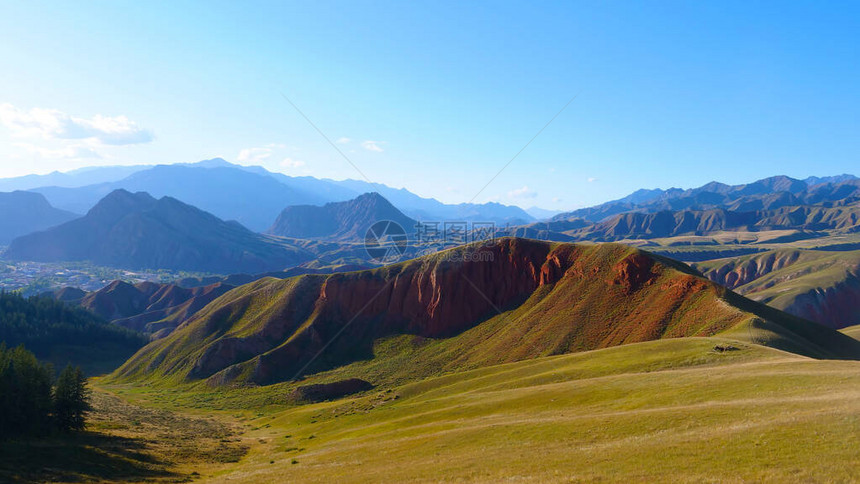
point(32, 278)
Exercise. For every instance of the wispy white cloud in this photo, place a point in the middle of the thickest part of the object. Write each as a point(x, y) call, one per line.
point(343, 141)
point(291, 163)
point(53, 124)
point(254, 155)
point(372, 145)
point(523, 192)
point(592, 179)
point(556, 199)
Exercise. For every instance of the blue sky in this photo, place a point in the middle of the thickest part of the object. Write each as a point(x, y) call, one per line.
point(438, 96)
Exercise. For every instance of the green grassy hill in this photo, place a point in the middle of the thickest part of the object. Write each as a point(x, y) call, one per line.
point(823, 286)
point(444, 313)
point(673, 410)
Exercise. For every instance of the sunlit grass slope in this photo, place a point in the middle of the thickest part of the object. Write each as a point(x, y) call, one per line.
point(852, 331)
point(663, 411)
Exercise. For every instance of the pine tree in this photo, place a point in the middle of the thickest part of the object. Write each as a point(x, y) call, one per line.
point(71, 400)
point(25, 393)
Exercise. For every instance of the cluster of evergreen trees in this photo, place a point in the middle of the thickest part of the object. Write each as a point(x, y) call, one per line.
point(60, 333)
point(30, 404)
point(40, 322)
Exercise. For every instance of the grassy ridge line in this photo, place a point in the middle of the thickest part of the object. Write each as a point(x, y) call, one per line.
point(852, 331)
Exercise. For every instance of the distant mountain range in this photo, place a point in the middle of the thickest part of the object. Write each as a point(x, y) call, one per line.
point(230, 193)
point(135, 230)
point(766, 194)
point(74, 178)
point(257, 197)
point(348, 220)
point(667, 223)
point(432, 210)
point(252, 196)
point(776, 203)
point(24, 212)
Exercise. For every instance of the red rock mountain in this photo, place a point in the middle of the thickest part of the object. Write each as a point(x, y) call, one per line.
point(148, 306)
point(505, 301)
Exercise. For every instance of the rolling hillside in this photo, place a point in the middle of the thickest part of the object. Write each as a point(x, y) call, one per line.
point(464, 308)
point(136, 231)
point(663, 411)
point(150, 307)
point(673, 410)
point(822, 286)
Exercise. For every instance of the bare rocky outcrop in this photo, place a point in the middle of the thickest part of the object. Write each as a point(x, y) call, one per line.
point(743, 271)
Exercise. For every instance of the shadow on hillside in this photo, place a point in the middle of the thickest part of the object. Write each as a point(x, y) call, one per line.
point(90, 456)
point(787, 332)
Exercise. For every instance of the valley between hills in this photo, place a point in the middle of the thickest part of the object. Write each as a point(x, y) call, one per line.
point(703, 335)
